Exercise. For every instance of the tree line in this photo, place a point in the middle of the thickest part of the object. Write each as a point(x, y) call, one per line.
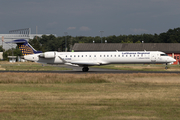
point(53, 43)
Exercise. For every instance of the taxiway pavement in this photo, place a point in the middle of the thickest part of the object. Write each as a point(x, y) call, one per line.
point(93, 70)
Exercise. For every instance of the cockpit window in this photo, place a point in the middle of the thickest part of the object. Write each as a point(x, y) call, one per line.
point(164, 55)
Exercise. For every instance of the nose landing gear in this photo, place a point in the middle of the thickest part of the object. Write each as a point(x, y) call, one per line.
point(166, 67)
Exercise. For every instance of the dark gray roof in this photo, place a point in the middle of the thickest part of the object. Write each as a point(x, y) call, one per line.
point(165, 47)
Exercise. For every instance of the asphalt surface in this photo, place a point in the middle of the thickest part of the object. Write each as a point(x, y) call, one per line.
point(92, 70)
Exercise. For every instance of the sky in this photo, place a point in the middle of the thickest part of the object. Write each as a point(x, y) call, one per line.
point(89, 17)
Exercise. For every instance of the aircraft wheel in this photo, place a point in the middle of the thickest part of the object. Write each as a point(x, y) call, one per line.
point(166, 67)
point(85, 69)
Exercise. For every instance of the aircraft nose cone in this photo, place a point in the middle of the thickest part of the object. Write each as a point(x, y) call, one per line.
point(174, 60)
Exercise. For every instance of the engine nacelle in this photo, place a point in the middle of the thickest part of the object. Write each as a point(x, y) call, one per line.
point(48, 55)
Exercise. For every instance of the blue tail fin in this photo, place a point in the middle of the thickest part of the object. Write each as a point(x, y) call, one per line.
point(25, 47)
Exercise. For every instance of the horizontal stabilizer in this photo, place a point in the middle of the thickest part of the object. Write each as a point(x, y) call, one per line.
point(17, 41)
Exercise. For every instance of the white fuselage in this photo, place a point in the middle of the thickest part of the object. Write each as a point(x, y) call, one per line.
point(101, 58)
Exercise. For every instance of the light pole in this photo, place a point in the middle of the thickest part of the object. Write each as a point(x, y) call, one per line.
point(65, 33)
point(101, 35)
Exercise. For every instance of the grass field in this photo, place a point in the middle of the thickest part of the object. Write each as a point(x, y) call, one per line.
point(141, 67)
point(40, 96)
point(29, 66)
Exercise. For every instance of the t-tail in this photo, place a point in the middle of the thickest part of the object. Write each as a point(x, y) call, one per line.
point(25, 47)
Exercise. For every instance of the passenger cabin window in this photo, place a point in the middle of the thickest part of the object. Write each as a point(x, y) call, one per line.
point(66, 55)
point(100, 55)
point(74, 55)
point(82, 55)
point(118, 55)
point(70, 55)
point(89, 55)
point(104, 55)
point(114, 55)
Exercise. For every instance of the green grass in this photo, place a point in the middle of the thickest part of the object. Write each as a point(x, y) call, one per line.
point(89, 96)
point(141, 67)
point(30, 66)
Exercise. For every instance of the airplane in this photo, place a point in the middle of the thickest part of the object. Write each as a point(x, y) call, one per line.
point(86, 59)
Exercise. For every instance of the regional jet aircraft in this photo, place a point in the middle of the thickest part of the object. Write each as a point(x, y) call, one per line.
point(86, 59)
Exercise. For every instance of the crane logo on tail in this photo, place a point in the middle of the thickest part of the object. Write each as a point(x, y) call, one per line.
point(26, 50)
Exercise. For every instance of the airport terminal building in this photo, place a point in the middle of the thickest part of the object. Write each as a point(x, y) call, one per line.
point(172, 49)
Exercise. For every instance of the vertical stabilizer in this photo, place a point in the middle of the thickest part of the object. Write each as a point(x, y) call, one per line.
point(25, 47)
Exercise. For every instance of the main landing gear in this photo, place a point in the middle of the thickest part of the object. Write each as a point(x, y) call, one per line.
point(85, 69)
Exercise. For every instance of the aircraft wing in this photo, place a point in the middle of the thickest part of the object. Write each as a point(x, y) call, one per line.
point(80, 63)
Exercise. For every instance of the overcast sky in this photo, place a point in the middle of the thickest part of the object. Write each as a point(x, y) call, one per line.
point(88, 17)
